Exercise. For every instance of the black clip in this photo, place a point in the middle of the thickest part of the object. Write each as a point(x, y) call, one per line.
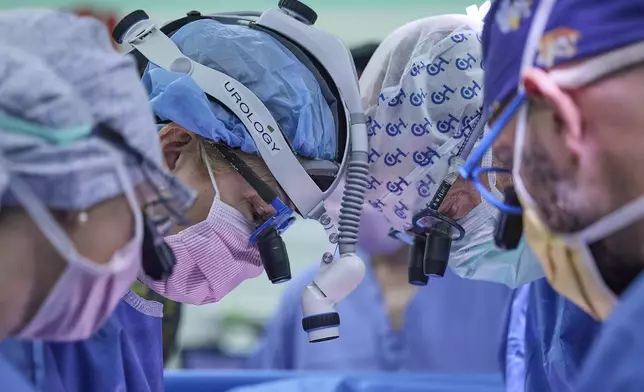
point(509, 227)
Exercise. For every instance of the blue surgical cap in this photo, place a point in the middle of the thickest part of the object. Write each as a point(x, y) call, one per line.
point(504, 34)
point(61, 75)
point(258, 61)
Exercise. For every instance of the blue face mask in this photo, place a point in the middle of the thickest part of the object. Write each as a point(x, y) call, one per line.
point(476, 257)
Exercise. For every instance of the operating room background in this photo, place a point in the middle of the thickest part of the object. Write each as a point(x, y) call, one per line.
point(233, 325)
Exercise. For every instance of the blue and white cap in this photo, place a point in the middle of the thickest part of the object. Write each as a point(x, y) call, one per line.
point(422, 92)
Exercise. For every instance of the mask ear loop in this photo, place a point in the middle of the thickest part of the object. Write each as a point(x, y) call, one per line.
point(157, 259)
point(211, 174)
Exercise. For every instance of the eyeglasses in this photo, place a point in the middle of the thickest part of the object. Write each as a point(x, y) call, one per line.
point(472, 171)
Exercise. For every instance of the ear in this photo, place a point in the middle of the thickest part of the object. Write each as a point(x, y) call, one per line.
point(539, 85)
point(175, 140)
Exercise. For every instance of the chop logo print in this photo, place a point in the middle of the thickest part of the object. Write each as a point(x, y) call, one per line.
point(418, 126)
point(264, 131)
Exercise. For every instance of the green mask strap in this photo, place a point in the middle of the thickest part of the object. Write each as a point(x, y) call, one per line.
point(55, 136)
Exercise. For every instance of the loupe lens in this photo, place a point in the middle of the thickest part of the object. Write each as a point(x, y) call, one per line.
point(158, 259)
point(272, 250)
point(437, 248)
point(415, 269)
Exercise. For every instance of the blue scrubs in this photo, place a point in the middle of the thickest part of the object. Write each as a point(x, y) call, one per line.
point(12, 379)
point(616, 361)
point(558, 336)
point(451, 325)
point(513, 354)
point(126, 354)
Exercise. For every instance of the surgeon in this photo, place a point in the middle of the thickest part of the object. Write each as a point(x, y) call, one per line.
point(548, 336)
point(78, 153)
point(554, 358)
point(87, 73)
point(451, 325)
point(194, 131)
point(573, 152)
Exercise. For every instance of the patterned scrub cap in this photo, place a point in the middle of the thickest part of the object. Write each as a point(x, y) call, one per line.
point(423, 96)
point(61, 79)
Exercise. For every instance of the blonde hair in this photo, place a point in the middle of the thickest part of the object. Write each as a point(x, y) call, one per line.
point(220, 165)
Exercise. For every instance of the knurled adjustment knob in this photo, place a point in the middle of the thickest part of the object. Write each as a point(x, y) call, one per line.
point(126, 23)
point(318, 321)
point(300, 9)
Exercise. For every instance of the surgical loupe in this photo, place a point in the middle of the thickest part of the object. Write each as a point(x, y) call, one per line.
point(267, 236)
point(307, 184)
point(509, 227)
point(432, 233)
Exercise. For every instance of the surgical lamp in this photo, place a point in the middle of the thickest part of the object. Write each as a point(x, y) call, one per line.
point(307, 184)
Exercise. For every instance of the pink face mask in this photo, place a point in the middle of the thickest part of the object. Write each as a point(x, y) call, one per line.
point(87, 292)
point(213, 256)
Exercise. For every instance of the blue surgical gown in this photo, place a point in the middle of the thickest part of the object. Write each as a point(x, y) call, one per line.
point(558, 336)
point(126, 354)
point(513, 355)
point(451, 325)
point(12, 379)
point(616, 361)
